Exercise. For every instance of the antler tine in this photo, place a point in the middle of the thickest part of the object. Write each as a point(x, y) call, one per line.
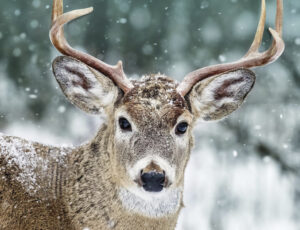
point(57, 10)
point(253, 57)
point(277, 47)
point(57, 37)
point(279, 17)
point(260, 31)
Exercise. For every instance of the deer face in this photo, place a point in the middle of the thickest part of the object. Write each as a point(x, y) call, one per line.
point(152, 142)
point(152, 135)
point(151, 120)
point(151, 126)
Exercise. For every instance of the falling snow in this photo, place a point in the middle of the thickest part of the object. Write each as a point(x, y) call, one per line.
point(243, 172)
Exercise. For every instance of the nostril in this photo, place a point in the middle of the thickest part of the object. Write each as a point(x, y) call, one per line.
point(161, 178)
point(153, 181)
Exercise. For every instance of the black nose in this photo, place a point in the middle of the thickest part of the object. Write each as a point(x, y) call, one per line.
point(153, 181)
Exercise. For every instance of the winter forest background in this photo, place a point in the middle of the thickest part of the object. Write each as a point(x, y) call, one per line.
point(244, 172)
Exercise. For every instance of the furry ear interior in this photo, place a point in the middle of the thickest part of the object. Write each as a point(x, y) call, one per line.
point(83, 86)
point(216, 97)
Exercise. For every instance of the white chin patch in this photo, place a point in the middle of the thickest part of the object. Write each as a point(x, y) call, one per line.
point(151, 204)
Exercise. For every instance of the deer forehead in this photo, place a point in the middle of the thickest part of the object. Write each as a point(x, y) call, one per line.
point(155, 98)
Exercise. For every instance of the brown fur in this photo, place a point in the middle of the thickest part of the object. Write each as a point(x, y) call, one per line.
point(75, 188)
point(88, 195)
point(23, 209)
point(85, 193)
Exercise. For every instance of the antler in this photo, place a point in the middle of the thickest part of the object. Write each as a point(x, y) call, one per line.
point(252, 58)
point(116, 72)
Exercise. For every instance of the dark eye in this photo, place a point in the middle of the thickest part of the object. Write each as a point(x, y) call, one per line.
point(181, 128)
point(124, 124)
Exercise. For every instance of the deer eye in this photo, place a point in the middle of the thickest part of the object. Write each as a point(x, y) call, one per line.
point(124, 124)
point(181, 128)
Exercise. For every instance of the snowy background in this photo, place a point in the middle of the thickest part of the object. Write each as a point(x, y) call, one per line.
point(244, 172)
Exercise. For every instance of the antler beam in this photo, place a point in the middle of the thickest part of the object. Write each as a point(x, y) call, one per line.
point(253, 57)
point(57, 37)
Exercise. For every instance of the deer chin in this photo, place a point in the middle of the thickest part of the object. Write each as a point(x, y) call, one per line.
point(151, 204)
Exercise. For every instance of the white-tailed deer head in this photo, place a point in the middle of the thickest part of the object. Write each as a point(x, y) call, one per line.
point(151, 119)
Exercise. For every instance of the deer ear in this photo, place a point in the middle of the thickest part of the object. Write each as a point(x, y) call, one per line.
point(215, 98)
point(83, 86)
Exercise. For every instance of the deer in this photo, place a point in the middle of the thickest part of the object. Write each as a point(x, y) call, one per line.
point(131, 174)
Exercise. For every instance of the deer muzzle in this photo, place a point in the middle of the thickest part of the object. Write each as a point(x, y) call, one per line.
point(153, 178)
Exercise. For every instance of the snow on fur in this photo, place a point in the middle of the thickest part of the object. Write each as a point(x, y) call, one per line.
point(22, 154)
point(25, 156)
